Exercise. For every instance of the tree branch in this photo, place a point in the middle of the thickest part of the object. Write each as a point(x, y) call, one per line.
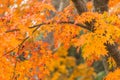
point(12, 30)
point(63, 22)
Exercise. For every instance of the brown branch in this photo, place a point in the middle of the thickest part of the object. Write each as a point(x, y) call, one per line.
point(7, 52)
point(63, 22)
point(20, 45)
point(14, 72)
point(37, 25)
point(12, 30)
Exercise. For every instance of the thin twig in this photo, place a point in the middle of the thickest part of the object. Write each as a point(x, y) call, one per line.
point(14, 71)
point(22, 43)
point(19, 46)
point(7, 52)
point(12, 30)
point(37, 25)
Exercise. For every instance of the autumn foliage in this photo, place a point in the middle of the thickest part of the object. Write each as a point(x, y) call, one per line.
point(26, 53)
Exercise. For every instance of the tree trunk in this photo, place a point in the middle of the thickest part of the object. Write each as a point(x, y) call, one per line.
point(80, 6)
point(114, 52)
point(100, 6)
point(60, 4)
